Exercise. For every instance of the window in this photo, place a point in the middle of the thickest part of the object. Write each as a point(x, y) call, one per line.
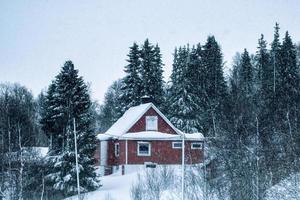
point(176, 145)
point(196, 145)
point(117, 149)
point(144, 149)
point(151, 123)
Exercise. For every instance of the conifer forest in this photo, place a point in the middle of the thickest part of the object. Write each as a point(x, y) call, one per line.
point(249, 116)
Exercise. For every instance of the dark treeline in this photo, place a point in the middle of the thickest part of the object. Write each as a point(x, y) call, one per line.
point(251, 119)
point(19, 129)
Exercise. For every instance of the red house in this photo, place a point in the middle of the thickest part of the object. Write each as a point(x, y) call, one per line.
point(142, 135)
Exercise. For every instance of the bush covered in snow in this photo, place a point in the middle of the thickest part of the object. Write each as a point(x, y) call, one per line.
point(164, 183)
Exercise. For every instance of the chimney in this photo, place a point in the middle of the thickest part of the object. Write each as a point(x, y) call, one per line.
point(146, 99)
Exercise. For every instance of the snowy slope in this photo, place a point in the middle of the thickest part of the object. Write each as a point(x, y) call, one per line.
point(287, 189)
point(114, 186)
point(118, 187)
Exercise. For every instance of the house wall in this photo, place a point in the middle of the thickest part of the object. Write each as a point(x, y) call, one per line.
point(97, 153)
point(140, 125)
point(111, 159)
point(161, 153)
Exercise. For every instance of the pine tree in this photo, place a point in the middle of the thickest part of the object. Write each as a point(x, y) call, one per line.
point(275, 54)
point(151, 73)
point(70, 100)
point(289, 96)
point(215, 91)
point(264, 67)
point(112, 109)
point(246, 75)
point(183, 99)
point(132, 81)
point(288, 72)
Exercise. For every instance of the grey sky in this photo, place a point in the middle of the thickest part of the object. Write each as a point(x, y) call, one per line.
point(37, 36)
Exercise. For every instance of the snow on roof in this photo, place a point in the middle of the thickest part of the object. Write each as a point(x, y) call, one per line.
point(103, 137)
point(194, 136)
point(43, 151)
point(154, 135)
point(150, 135)
point(130, 117)
point(127, 120)
point(38, 151)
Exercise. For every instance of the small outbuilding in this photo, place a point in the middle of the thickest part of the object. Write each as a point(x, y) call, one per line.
point(144, 135)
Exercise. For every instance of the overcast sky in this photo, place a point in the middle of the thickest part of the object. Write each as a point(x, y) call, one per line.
point(38, 36)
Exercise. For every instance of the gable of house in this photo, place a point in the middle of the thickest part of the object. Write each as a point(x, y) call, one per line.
point(134, 120)
point(162, 125)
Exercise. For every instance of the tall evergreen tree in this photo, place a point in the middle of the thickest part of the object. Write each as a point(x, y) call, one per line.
point(151, 73)
point(289, 95)
point(288, 72)
point(184, 100)
point(132, 86)
point(265, 70)
point(246, 75)
point(111, 110)
point(70, 101)
point(275, 54)
point(215, 87)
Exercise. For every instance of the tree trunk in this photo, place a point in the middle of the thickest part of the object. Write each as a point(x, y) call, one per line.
point(20, 196)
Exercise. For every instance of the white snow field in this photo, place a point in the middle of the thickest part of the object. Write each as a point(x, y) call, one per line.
point(114, 187)
point(118, 186)
point(287, 189)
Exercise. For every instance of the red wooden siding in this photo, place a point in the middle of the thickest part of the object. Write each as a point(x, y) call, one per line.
point(140, 125)
point(161, 153)
point(97, 153)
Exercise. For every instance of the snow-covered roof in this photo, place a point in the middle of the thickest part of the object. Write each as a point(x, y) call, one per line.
point(144, 135)
point(194, 136)
point(103, 137)
point(130, 117)
point(120, 128)
point(154, 135)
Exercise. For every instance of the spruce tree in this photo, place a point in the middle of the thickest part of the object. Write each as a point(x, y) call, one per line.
point(275, 54)
point(215, 91)
point(288, 72)
point(151, 73)
point(265, 70)
point(112, 109)
point(246, 75)
point(183, 99)
point(70, 101)
point(131, 90)
point(289, 95)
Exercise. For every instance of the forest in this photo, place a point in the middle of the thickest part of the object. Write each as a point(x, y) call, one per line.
point(250, 118)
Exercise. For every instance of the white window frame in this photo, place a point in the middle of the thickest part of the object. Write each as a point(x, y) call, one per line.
point(138, 149)
point(174, 147)
point(117, 149)
point(197, 143)
point(151, 128)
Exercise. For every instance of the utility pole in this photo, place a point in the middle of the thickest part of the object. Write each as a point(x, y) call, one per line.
point(204, 168)
point(76, 160)
point(182, 167)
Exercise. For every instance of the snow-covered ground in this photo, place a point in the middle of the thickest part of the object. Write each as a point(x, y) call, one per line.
point(287, 189)
point(114, 187)
point(118, 186)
